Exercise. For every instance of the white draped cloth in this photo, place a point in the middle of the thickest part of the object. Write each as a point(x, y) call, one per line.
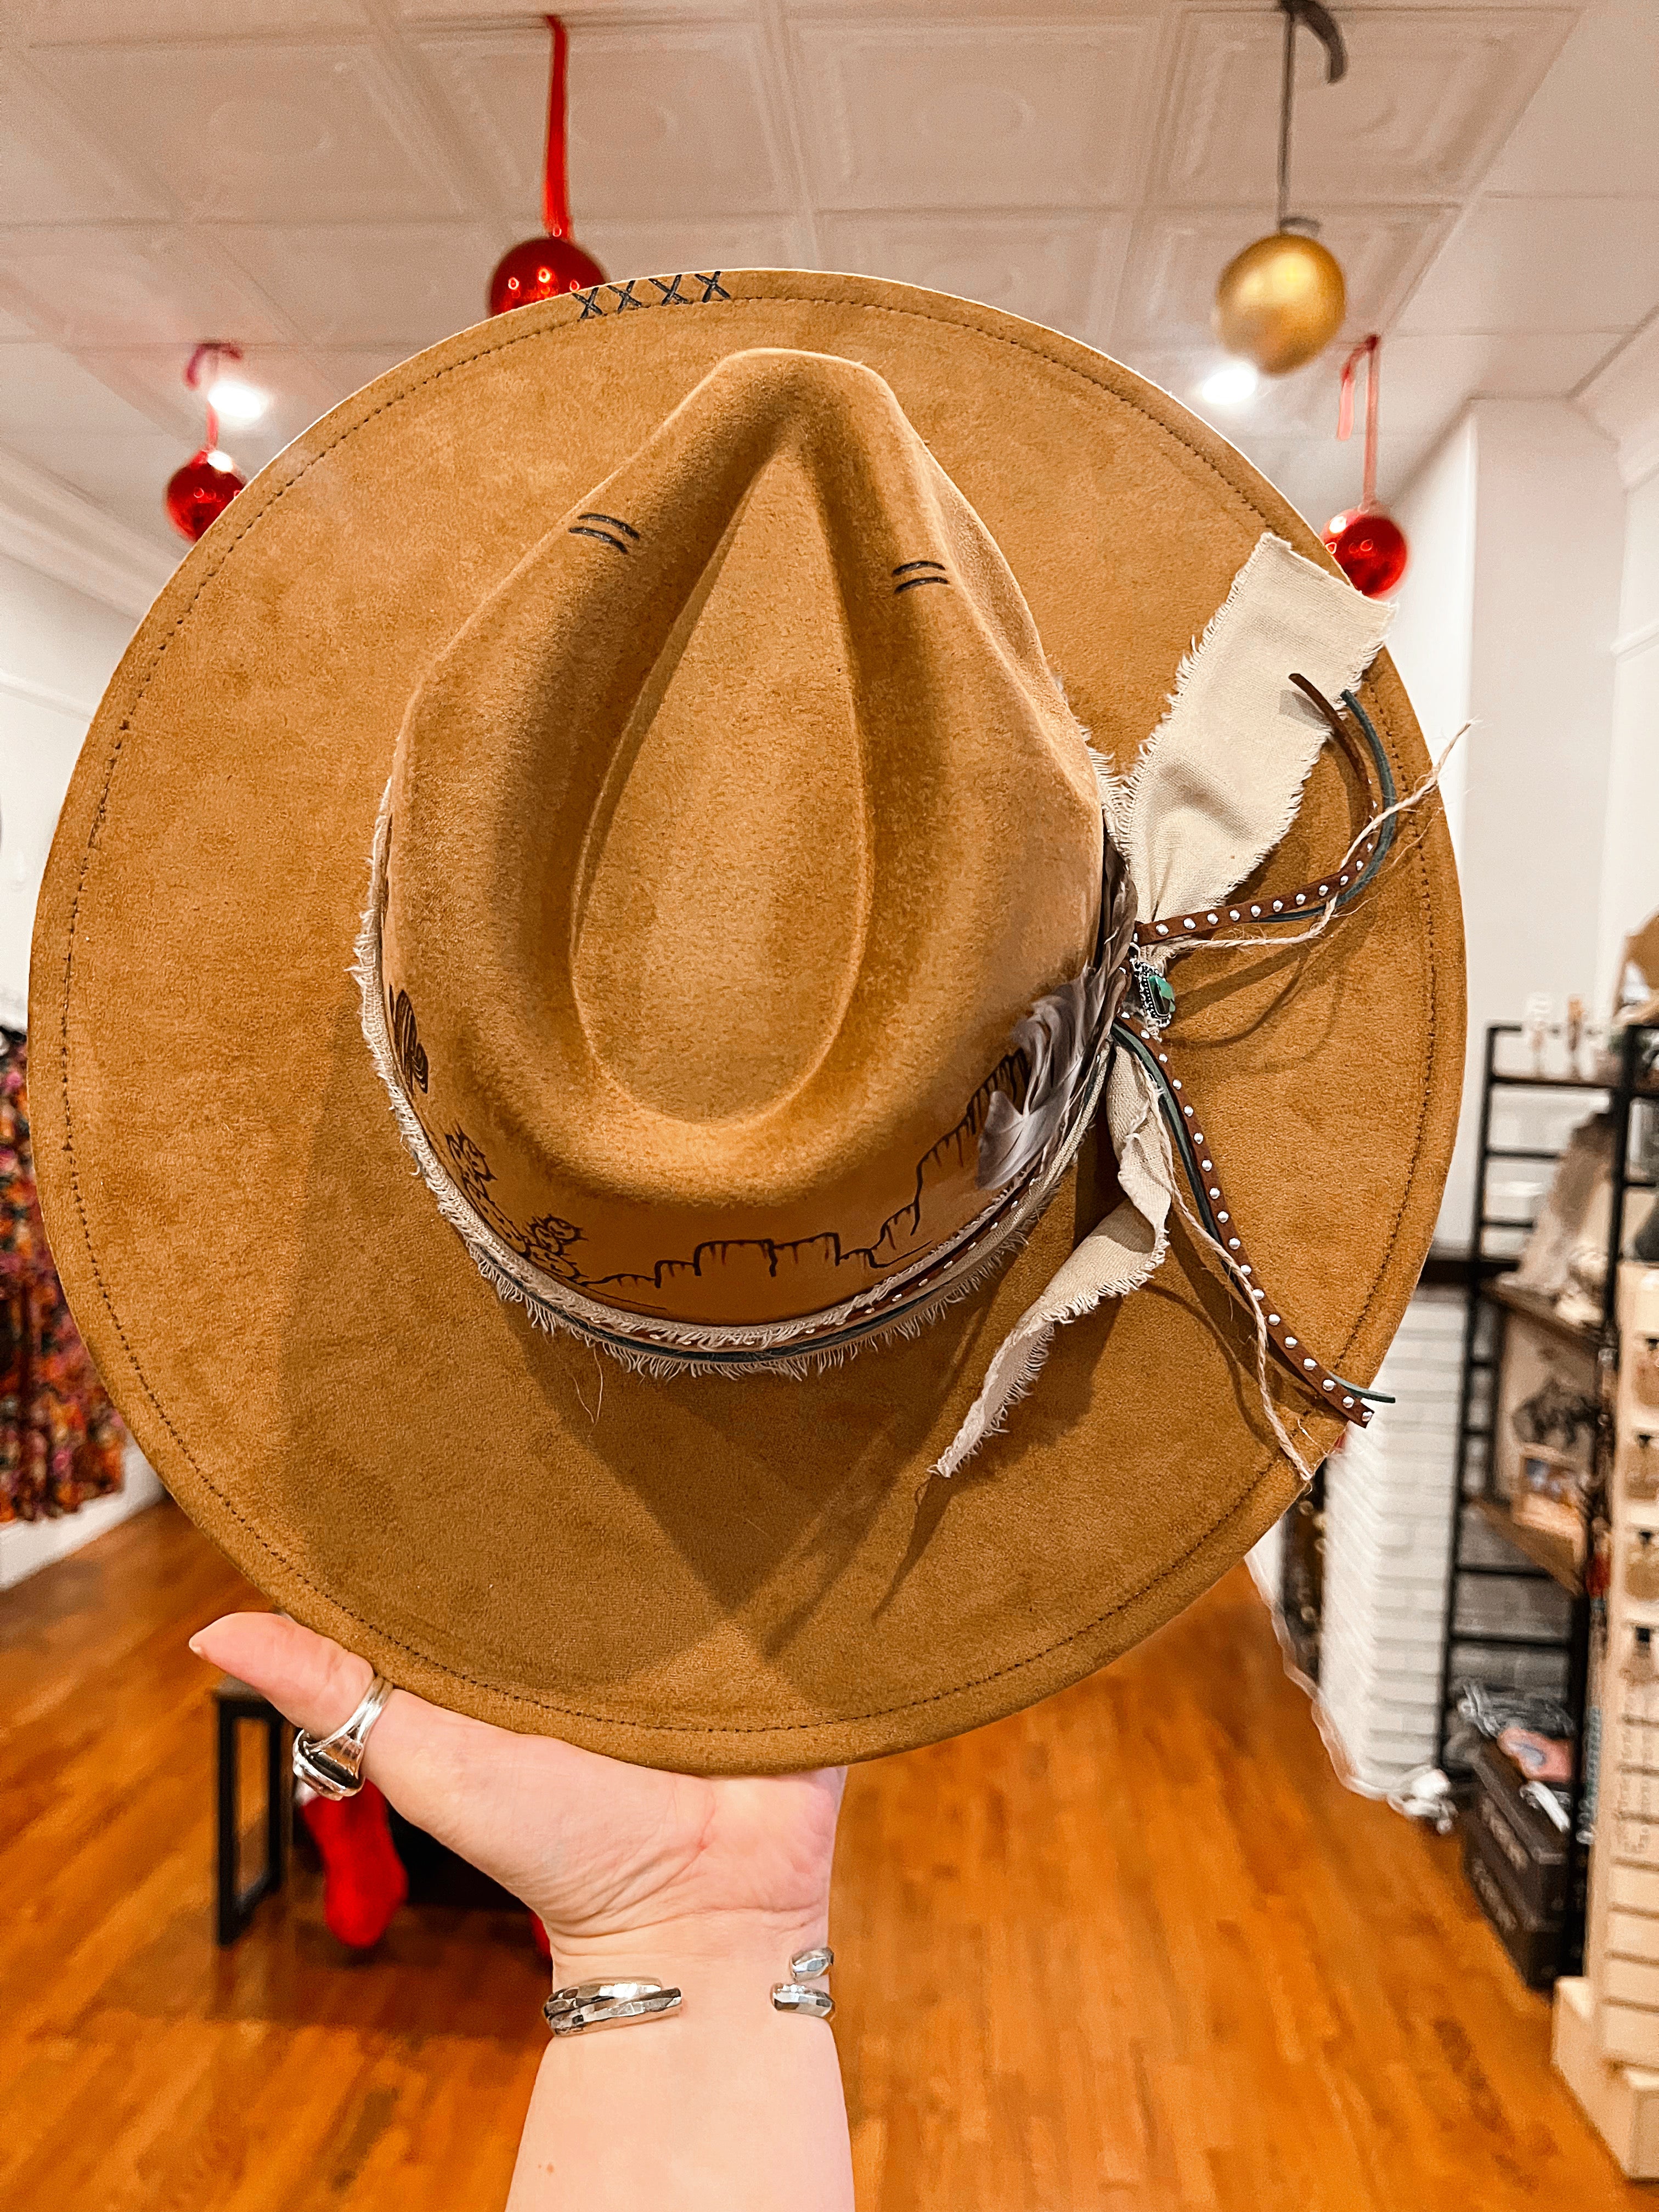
point(1216, 786)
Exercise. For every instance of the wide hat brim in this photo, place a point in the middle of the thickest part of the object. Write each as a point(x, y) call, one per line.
point(702, 1573)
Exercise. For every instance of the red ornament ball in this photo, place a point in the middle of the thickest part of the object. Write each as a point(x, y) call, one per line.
point(199, 493)
point(1369, 547)
point(541, 269)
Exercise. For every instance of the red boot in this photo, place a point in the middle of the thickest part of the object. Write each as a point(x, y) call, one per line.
point(363, 1878)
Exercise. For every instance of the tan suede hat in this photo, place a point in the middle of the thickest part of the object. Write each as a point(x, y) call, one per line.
point(650, 940)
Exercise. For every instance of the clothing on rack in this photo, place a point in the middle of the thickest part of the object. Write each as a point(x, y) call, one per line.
point(61, 1441)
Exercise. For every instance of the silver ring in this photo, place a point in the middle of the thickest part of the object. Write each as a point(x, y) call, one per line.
point(794, 1996)
point(600, 2004)
point(333, 1765)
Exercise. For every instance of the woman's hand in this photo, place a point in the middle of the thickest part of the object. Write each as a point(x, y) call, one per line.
point(708, 1885)
point(616, 1859)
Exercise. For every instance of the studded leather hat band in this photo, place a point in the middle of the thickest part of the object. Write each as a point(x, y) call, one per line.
point(1357, 868)
point(1140, 1030)
point(1194, 1148)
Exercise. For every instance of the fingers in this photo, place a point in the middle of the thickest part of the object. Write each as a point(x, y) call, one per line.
point(311, 1680)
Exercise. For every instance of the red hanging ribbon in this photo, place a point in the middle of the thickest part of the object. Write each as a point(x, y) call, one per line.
point(1369, 349)
point(205, 363)
point(556, 176)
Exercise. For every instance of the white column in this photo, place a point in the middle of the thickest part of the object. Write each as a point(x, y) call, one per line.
point(1508, 619)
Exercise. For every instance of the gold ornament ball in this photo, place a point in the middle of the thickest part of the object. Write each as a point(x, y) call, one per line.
point(1280, 301)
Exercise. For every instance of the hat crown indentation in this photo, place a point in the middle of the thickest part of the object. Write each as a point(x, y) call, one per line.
point(725, 866)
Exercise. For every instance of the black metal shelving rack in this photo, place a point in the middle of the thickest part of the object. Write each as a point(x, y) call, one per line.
point(1539, 1557)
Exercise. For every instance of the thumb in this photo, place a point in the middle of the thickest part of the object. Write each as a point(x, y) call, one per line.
point(315, 1683)
point(318, 1686)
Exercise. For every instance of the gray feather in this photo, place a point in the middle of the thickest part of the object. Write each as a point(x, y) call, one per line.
point(1061, 1040)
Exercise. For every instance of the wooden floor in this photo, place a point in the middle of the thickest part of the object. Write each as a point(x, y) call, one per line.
point(1134, 1949)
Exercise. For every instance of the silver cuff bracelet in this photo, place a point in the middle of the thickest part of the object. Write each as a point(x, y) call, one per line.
point(796, 1996)
point(602, 2004)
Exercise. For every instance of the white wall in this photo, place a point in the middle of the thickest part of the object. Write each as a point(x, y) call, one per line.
point(1431, 637)
point(1630, 875)
point(1507, 618)
point(57, 650)
point(25, 1546)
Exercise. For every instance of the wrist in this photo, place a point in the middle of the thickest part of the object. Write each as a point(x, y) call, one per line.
point(700, 1952)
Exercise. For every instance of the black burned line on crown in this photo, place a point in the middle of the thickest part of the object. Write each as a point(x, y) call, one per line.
point(1009, 1073)
point(407, 1048)
point(627, 296)
point(587, 523)
point(585, 526)
point(611, 530)
point(545, 1244)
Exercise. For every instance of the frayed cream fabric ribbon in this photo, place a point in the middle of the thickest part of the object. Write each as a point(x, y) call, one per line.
point(1216, 787)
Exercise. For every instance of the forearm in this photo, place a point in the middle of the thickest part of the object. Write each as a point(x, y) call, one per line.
point(726, 2106)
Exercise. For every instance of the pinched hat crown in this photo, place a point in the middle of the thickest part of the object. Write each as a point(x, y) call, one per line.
point(723, 850)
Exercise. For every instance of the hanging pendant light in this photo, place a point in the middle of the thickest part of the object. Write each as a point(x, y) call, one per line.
point(1281, 301)
point(198, 493)
point(1366, 543)
point(542, 268)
